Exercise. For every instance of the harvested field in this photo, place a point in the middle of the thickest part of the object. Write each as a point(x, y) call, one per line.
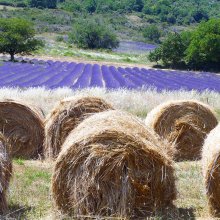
point(211, 170)
point(5, 172)
point(65, 117)
point(22, 125)
point(29, 191)
point(185, 124)
point(115, 168)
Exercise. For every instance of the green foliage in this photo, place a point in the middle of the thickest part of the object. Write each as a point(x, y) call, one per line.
point(171, 52)
point(19, 161)
point(204, 48)
point(152, 33)
point(17, 36)
point(92, 33)
point(43, 3)
point(198, 49)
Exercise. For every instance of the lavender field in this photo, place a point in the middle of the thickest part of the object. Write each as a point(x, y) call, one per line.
point(134, 47)
point(55, 74)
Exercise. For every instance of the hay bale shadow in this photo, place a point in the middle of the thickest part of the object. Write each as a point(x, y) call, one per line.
point(176, 213)
point(17, 212)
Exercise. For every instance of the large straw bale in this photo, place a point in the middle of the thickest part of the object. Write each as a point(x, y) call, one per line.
point(116, 167)
point(211, 170)
point(22, 125)
point(65, 117)
point(185, 124)
point(5, 172)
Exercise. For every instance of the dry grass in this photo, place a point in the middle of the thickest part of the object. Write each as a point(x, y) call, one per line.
point(136, 102)
point(117, 168)
point(22, 124)
point(5, 172)
point(29, 193)
point(185, 124)
point(211, 169)
point(65, 117)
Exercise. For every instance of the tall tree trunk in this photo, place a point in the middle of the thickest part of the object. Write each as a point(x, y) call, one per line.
point(12, 56)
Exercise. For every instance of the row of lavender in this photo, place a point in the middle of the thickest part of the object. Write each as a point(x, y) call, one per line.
point(54, 74)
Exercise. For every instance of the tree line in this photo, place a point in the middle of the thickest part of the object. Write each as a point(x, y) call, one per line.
point(168, 11)
point(196, 49)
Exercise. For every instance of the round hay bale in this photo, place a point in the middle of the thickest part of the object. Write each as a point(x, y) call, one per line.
point(5, 172)
point(23, 126)
point(211, 170)
point(184, 123)
point(117, 168)
point(65, 117)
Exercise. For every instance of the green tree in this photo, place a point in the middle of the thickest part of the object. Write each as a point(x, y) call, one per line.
point(90, 5)
point(171, 51)
point(17, 37)
point(43, 3)
point(91, 33)
point(204, 48)
point(37, 3)
point(152, 33)
point(51, 3)
point(199, 15)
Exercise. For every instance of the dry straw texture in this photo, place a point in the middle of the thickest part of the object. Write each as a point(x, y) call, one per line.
point(5, 173)
point(211, 170)
point(23, 126)
point(116, 167)
point(184, 123)
point(65, 117)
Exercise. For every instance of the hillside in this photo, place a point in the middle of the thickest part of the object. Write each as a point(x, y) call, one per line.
point(128, 19)
point(169, 11)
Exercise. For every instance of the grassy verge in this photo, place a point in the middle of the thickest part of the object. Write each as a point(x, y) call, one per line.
point(29, 195)
point(61, 49)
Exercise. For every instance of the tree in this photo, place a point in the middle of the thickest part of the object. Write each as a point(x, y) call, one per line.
point(43, 3)
point(204, 48)
point(171, 51)
point(199, 15)
point(152, 33)
point(90, 6)
point(51, 3)
point(37, 3)
point(17, 37)
point(91, 33)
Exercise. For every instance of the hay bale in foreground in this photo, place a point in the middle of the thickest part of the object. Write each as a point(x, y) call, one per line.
point(184, 123)
point(117, 167)
point(22, 125)
point(211, 170)
point(65, 117)
point(5, 173)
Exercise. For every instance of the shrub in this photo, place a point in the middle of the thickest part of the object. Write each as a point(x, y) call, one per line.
point(152, 33)
point(93, 34)
point(171, 51)
point(204, 48)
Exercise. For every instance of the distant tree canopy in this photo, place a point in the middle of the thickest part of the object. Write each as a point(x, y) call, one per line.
point(43, 3)
point(92, 33)
point(167, 11)
point(152, 33)
point(198, 49)
point(17, 37)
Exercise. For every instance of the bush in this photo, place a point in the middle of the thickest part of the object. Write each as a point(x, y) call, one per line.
point(152, 33)
point(59, 38)
point(204, 48)
point(91, 33)
point(172, 50)
point(199, 49)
